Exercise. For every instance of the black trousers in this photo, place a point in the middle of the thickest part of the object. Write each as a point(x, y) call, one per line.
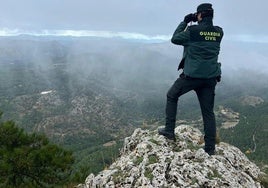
point(205, 90)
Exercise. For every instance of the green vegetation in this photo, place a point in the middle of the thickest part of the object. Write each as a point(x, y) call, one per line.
point(153, 159)
point(216, 174)
point(93, 161)
point(192, 146)
point(101, 96)
point(263, 179)
point(148, 174)
point(138, 161)
point(30, 160)
point(250, 135)
point(118, 176)
point(154, 141)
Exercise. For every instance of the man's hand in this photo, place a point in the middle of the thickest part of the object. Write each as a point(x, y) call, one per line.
point(190, 17)
point(218, 78)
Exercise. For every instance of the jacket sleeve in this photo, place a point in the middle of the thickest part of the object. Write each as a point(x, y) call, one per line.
point(181, 36)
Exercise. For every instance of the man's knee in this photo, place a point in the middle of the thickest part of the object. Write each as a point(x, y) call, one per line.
point(171, 96)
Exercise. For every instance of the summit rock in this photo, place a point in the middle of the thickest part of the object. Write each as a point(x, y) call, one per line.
point(149, 160)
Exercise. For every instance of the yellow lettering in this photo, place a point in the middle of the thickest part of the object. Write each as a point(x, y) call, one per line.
point(213, 34)
point(210, 38)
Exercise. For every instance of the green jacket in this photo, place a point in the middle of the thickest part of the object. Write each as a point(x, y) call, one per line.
point(201, 48)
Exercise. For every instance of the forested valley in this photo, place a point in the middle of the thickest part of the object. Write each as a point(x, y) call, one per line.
point(86, 95)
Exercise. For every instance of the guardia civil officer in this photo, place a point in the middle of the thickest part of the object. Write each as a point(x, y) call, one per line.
point(201, 71)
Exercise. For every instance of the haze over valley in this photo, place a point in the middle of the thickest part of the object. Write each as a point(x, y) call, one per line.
point(87, 93)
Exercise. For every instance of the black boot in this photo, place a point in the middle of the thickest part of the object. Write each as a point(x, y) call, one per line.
point(168, 134)
point(210, 151)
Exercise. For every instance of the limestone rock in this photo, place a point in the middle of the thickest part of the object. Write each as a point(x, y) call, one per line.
point(149, 160)
point(251, 100)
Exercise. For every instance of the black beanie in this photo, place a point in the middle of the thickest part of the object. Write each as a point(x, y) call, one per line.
point(204, 7)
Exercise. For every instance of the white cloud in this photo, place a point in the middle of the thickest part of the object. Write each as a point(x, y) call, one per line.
point(123, 35)
point(9, 32)
point(85, 33)
point(248, 38)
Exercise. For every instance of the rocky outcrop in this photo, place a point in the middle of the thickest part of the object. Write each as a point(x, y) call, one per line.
point(251, 101)
point(229, 118)
point(149, 160)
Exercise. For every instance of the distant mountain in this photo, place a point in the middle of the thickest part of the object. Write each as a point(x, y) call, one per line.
point(86, 93)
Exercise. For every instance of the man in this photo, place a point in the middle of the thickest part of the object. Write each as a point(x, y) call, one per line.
point(201, 71)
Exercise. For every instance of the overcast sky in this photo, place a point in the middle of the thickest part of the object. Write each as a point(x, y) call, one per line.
point(242, 19)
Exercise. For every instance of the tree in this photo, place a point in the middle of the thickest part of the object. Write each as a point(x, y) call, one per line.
point(30, 160)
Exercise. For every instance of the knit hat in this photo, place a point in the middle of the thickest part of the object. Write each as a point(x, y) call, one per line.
point(204, 7)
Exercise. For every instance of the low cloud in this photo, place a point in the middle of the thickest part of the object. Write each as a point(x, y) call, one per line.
point(123, 35)
point(248, 38)
point(85, 33)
